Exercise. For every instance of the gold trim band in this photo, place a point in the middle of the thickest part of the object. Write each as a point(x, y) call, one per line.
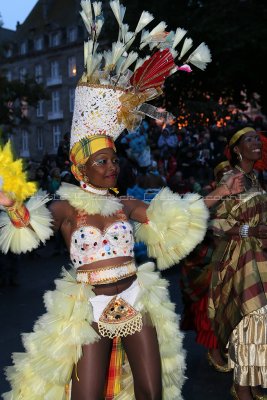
point(240, 133)
point(105, 275)
point(221, 166)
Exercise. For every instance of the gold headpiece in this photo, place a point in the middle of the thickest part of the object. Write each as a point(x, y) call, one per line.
point(220, 167)
point(240, 133)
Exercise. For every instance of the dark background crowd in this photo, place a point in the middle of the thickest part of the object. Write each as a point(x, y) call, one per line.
point(156, 154)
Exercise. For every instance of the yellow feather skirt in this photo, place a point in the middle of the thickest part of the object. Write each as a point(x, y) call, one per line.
point(44, 371)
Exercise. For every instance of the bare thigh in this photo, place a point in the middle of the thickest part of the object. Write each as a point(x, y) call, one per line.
point(91, 371)
point(142, 351)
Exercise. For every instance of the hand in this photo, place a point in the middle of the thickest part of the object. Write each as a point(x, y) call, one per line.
point(235, 184)
point(5, 200)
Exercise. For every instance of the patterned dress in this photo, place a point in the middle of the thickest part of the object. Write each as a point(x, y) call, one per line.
point(238, 293)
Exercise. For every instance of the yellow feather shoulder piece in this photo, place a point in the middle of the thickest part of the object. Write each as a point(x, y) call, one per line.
point(13, 178)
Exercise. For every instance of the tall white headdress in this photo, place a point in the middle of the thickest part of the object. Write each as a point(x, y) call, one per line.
point(117, 83)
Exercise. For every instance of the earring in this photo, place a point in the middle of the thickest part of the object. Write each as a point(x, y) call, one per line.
point(239, 155)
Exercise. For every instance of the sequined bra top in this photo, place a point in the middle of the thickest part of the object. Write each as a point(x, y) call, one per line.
point(90, 244)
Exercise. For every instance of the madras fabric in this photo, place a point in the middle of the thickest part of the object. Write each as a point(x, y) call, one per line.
point(239, 280)
point(87, 146)
point(115, 369)
point(19, 215)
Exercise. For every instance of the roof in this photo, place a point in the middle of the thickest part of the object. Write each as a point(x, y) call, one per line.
point(6, 35)
point(59, 13)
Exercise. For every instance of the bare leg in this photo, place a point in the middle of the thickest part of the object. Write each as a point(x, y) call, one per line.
point(142, 350)
point(243, 392)
point(91, 371)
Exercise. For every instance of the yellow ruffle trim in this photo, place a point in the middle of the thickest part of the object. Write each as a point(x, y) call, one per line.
point(43, 372)
point(21, 240)
point(175, 226)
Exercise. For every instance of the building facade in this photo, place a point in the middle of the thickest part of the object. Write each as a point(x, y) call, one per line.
point(48, 47)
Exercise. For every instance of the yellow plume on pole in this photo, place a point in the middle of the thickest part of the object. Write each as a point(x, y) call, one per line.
point(13, 178)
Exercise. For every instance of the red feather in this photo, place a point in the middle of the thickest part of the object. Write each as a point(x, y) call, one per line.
point(154, 71)
point(261, 165)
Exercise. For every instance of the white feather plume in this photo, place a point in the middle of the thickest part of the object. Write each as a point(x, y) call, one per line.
point(118, 10)
point(144, 20)
point(87, 21)
point(179, 34)
point(200, 56)
point(97, 6)
point(87, 8)
point(188, 43)
point(132, 57)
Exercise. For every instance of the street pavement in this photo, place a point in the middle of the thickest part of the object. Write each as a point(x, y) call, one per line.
point(21, 305)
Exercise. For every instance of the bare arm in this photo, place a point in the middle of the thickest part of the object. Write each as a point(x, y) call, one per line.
point(233, 185)
point(135, 209)
point(59, 211)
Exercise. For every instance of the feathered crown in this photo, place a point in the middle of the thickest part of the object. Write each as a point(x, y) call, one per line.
point(111, 95)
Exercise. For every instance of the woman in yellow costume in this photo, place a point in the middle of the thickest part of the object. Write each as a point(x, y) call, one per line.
point(238, 297)
point(105, 296)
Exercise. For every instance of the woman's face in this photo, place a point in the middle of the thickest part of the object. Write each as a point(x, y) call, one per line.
point(102, 168)
point(250, 146)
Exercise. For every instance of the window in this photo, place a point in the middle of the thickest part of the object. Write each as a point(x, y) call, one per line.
point(54, 69)
point(9, 76)
point(54, 39)
point(72, 34)
point(23, 48)
point(71, 99)
point(40, 108)
point(22, 74)
point(39, 43)
point(38, 72)
point(40, 138)
point(72, 69)
point(24, 143)
point(9, 52)
point(55, 101)
point(56, 136)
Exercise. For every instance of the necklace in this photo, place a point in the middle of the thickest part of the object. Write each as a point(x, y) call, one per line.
point(92, 189)
point(251, 176)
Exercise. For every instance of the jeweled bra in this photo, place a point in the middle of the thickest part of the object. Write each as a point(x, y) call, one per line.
point(90, 244)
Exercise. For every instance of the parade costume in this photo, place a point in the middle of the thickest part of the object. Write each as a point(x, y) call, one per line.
point(238, 297)
point(107, 101)
point(196, 274)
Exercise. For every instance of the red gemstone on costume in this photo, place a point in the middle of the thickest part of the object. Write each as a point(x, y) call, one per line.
point(84, 185)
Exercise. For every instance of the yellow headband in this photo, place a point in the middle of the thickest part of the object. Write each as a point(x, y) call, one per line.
point(220, 167)
point(240, 133)
point(83, 149)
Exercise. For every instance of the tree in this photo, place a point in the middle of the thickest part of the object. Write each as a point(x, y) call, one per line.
point(235, 31)
point(15, 98)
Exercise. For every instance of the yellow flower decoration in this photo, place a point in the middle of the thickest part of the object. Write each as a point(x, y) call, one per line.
point(13, 178)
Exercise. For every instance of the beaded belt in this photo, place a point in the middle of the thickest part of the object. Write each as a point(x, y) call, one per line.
point(104, 275)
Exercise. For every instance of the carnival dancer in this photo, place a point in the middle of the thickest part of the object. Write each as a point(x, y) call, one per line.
point(196, 270)
point(104, 296)
point(238, 301)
